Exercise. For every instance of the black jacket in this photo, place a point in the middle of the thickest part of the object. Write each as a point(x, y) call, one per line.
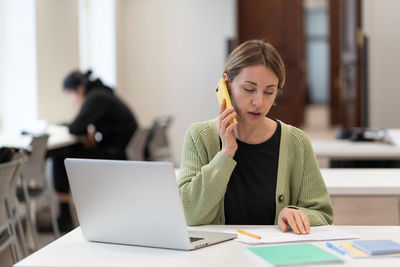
point(111, 117)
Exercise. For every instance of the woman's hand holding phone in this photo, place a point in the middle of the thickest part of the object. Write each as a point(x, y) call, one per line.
point(226, 129)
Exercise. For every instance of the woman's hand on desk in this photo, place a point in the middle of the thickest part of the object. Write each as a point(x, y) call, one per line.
point(295, 220)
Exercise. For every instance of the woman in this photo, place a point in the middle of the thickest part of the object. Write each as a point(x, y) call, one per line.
point(256, 170)
point(105, 124)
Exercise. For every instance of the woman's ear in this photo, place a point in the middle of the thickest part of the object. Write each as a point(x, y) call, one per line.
point(227, 81)
point(226, 77)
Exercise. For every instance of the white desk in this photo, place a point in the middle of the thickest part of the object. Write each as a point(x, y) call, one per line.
point(73, 250)
point(369, 182)
point(362, 182)
point(59, 136)
point(346, 150)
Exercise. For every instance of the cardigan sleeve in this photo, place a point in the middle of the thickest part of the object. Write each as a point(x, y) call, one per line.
point(313, 197)
point(203, 178)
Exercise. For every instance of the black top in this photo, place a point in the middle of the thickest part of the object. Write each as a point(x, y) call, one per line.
point(250, 195)
point(111, 117)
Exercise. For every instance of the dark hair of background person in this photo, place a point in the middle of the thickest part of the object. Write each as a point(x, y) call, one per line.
point(76, 78)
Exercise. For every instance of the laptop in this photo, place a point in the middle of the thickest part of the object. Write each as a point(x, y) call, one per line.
point(133, 203)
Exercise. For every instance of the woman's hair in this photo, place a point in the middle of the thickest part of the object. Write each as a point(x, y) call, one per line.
point(76, 78)
point(255, 52)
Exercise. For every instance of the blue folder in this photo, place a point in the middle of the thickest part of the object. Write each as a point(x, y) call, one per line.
point(377, 247)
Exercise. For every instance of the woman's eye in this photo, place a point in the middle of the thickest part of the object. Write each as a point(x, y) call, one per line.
point(268, 93)
point(248, 90)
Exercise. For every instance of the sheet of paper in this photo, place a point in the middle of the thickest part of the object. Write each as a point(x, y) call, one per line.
point(275, 235)
point(392, 136)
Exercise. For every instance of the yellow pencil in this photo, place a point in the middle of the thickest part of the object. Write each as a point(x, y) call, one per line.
point(248, 234)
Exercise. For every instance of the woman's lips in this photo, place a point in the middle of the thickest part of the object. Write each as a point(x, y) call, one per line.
point(254, 114)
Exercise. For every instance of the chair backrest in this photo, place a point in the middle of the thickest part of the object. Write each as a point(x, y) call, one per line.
point(157, 143)
point(18, 159)
point(136, 146)
point(34, 168)
point(7, 174)
point(6, 171)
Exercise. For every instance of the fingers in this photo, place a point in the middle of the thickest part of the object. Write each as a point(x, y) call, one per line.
point(292, 223)
point(232, 126)
point(295, 220)
point(300, 224)
point(222, 107)
point(306, 223)
point(282, 225)
point(226, 118)
point(223, 111)
point(226, 113)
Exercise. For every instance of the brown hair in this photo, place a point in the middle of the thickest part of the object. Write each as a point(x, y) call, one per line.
point(255, 52)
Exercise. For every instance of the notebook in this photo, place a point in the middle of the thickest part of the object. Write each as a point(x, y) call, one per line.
point(304, 253)
point(133, 203)
point(377, 247)
point(357, 253)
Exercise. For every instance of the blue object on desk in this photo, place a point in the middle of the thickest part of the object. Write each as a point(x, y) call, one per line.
point(335, 248)
point(377, 247)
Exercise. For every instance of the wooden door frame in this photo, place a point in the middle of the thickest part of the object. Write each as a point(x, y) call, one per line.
point(338, 116)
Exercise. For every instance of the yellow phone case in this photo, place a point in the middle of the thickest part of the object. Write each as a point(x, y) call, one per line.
point(222, 92)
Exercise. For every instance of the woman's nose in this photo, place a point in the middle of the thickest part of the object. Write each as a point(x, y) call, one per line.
point(257, 100)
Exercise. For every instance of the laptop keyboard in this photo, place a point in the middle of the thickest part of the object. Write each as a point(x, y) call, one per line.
point(194, 239)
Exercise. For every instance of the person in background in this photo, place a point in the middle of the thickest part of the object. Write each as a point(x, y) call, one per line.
point(257, 170)
point(104, 124)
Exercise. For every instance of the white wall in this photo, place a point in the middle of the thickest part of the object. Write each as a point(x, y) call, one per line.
point(57, 54)
point(2, 62)
point(381, 24)
point(17, 65)
point(170, 56)
point(97, 39)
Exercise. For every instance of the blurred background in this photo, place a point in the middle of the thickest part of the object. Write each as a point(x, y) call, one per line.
point(165, 57)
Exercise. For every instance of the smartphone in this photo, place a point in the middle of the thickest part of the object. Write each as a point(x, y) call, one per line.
point(222, 92)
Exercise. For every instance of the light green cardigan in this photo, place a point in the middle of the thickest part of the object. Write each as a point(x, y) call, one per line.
point(205, 171)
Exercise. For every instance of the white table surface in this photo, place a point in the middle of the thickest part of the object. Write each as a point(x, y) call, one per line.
point(73, 250)
point(371, 182)
point(59, 136)
point(344, 149)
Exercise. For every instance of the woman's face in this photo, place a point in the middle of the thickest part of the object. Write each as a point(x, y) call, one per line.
point(253, 92)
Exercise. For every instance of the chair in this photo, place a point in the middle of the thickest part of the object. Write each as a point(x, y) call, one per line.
point(17, 211)
point(36, 187)
point(157, 144)
point(8, 236)
point(136, 146)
